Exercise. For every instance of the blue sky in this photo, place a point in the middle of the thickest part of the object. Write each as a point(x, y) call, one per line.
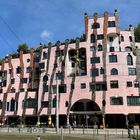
point(35, 21)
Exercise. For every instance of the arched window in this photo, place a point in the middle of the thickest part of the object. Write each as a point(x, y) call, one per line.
point(114, 71)
point(100, 47)
point(129, 60)
point(122, 38)
point(128, 49)
point(95, 25)
point(92, 38)
point(12, 105)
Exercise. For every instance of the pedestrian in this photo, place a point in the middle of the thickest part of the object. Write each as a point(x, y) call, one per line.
point(37, 138)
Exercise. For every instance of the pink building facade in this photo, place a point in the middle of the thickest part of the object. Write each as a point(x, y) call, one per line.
point(96, 76)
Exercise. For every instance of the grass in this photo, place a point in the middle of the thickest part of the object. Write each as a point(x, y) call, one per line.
point(43, 137)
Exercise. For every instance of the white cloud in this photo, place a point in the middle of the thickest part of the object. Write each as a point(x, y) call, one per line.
point(45, 34)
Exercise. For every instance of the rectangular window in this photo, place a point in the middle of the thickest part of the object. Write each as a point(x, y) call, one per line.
point(133, 100)
point(111, 39)
point(28, 70)
point(131, 71)
point(72, 64)
point(62, 88)
point(136, 84)
point(0, 104)
point(54, 103)
point(94, 60)
point(13, 90)
point(54, 89)
point(100, 37)
point(13, 81)
point(94, 72)
point(18, 70)
point(83, 85)
point(29, 103)
point(22, 90)
point(114, 84)
point(92, 48)
point(116, 100)
point(129, 84)
point(45, 87)
point(42, 65)
point(98, 86)
point(111, 24)
point(112, 58)
point(4, 83)
point(44, 104)
point(23, 80)
point(112, 49)
point(44, 55)
point(1, 90)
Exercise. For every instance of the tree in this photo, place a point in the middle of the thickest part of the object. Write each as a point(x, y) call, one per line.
point(22, 47)
point(0, 61)
point(137, 33)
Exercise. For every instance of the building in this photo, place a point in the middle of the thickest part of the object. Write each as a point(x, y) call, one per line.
point(97, 77)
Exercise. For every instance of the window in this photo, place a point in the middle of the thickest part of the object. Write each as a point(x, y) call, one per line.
point(10, 71)
point(112, 58)
point(41, 65)
point(72, 64)
point(54, 89)
point(62, 88)
point(94, 72)
point(45, 87)
point(92, 38)
point(100, 37)
point(12, 80)
point(129, 84)
point(98, 86)
point(28, 70)
point(1, 90)
point(1, 104)
point(18, 70)
point(45, 78)
point(136, 84)
point(83, 85)
point(28, 60)
point(95, 25)
point(114, 71)
point(130, 38)
point(4, 83)
point(44, 104)
point(112, 49)
point(66, 104)
point(129, 60)
point(44, 55)
point(94, 60)
point(131, 71)
point(128, 49)
point(13, 90)
point(116, 100)
point(102, 70)
point(114, 84)
point(111, 39)
point(100, 47)
point(12, 105)
point(92, 48)
point(122, 38)
point(23, 80)
point(111, 24)
point(22, 90)
point(54, 102)
point(133, 100)
point(59, 53)
point(29, 103)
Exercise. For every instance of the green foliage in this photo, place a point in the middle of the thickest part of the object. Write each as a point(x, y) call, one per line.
point(0, 61)
point(137, 33)
point(23, 47)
